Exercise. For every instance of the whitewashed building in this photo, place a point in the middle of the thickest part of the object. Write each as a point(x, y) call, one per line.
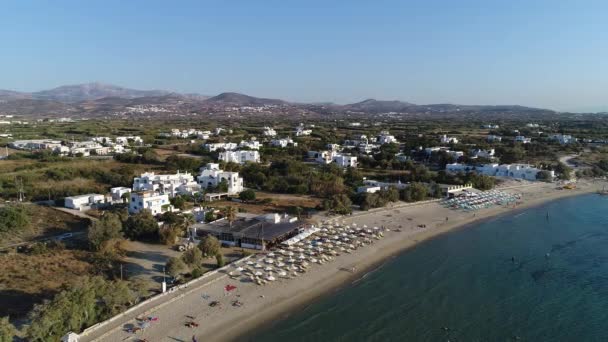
point(386, 138)
point(283, 142)
point(302, 131)
point(169, 184)
point(345, 160)
point(522, 139)
point(269, 132)
point(240, 157)
point(251, 144)
point(212, 147)
point(83, 202)
point(149, 200)
point(448, 140)
point(563, 138)
point(211, 176)
point(519, 171)
point(479, 153)
point(118, 192)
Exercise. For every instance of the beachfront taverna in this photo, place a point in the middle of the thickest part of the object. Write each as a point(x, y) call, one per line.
point(252, 231)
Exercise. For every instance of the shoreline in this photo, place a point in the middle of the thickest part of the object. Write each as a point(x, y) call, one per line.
point(265, 306)
point(281, 312)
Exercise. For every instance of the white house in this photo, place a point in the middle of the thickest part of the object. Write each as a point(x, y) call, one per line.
point(212, 147)
point(386, 138)
point(83, 201)
point(479, 153)
point(385, 185)
point(240, 157)
point(563, 139)
point(169, 184)
point(203, 135)
point(301, 131)
point(149, 200)
point(345, 160)
point(448, 140)
point(522, 139)
point(321, 157)
point(283, 142)
point(251, 144)
point(125, 140)
point(211, 176)
point(269, 132)
point(520, 171)
point(118, 192)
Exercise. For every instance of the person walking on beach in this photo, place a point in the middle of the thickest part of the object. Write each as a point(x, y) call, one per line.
point(194, 339)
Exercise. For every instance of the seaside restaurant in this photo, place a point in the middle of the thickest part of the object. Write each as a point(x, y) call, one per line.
point(251, 231)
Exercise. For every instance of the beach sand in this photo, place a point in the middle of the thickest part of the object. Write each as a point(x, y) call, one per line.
point(264, 305)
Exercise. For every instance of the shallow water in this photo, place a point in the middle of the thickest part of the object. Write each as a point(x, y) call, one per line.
point(464, 285)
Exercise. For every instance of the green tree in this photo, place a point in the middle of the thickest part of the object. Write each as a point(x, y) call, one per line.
point(178, 202)
point(89, 301)
point(564, 172)
point(142, 226)
point(210, 245)
point(107, 228)
point(247, 195)
point(339, 204)
point(483, 182)
point(209, 216)
point(219, 258)
point(7, 330)
point(175, 266)
point(14, 219)
point(193, 257)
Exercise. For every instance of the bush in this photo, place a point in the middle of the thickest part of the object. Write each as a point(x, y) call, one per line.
point(220, 260)
point(107, 228)
point(193, 257)
point(196, 272)
point(247, 195)
point(142, 226)
point(175, 266)
point(13, 219)
point(210, 245)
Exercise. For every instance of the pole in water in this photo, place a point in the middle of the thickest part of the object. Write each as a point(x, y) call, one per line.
point(547, 215)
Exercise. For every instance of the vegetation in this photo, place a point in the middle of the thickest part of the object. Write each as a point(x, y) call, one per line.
point(84, 304)
point(219, 258)
point(7, 330)
point(13, 219)
point(142, 226)
point(247, 195)
point(175, 266)
point(209, 246)
point(108, 228)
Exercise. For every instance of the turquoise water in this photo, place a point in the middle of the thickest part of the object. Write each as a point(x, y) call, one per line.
point(464, 286)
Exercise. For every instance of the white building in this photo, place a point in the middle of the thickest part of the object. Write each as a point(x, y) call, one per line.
point(479, 153)
point(385, 185)
point(211, 176)
point(520, 171)
point(149, 200)
point(302, 131)
point(125, 140)
point(212, 147)
point(83, 202)
point(283, 142)
point(203, 135)
point(327, 157)
point(118, 192)
point(170, 184)
point(240, 157)
point(368, 189)
point(563, 139)
point(448, 140)
point(35, 144)
point(494, 138)
point(345, 160)
point(269, 132)
point(386, 138)
point(251, 144)
point(522, 139)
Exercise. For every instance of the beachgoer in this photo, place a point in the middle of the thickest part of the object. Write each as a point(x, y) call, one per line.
point(194, 338)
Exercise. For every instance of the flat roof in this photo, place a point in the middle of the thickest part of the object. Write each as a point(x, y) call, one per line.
point(250, 227)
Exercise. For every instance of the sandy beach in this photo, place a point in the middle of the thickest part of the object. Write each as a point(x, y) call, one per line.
point(263, 305)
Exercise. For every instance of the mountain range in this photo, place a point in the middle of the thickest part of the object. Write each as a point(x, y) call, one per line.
point(98, 99)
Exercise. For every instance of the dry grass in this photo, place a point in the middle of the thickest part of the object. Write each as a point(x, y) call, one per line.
point(274, 203)
point(28, 279)
point(45, 221)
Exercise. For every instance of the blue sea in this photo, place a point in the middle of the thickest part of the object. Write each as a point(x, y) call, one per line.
point(535, 275)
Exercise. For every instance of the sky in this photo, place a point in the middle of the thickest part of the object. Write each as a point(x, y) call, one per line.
point(541, 53)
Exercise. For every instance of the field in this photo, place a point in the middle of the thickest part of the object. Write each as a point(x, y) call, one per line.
point(28, 279)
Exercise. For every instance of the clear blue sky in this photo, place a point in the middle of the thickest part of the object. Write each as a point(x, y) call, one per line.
point(549, 53)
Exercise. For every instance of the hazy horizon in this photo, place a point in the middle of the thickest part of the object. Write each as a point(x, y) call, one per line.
point(545, 54)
